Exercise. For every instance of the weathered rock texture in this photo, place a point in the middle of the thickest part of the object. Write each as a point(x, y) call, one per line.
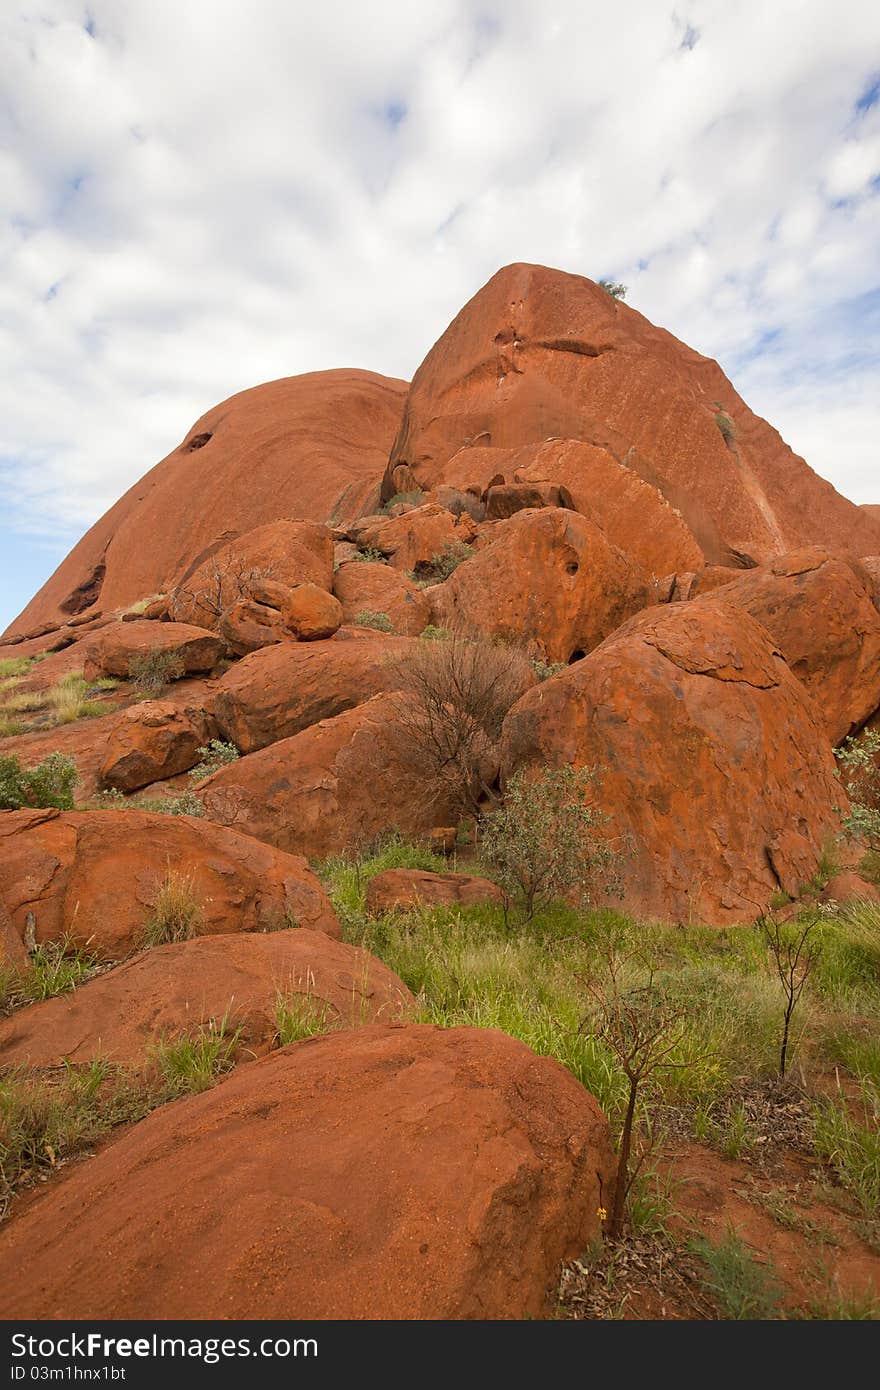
point(820, 611)
point(93, 876)
point(402, 1172)
point(375, 588)
point(170, 991)
point(118, 648)
point(539, 354)
point(153, 740)
point(715, 768)
point(307, 446)
point(282, 690)
point(339, 783)
point(548, 578)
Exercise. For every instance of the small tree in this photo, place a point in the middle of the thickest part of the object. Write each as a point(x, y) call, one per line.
point(547, 840)
point(643, 1030)
point(859, 759)
point(793, 956)
point(151, 671)
point(220, 581)
point(453, 696)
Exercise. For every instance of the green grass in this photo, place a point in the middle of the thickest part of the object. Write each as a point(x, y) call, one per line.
point(740, 1286)
point(299, 1016)
point(177, 913)
point(844, 1308)
point(45, 1121)
point(67, 701)
point(847, 1139)
point(55, 967)
point(195, 1061)
point(10, 728)
point(14, 666)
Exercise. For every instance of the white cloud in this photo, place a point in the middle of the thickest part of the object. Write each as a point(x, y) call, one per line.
point(198, 197)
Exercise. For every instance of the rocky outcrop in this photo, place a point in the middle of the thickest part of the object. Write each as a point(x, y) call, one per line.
point(308, 446)
point(174, 649)
point(538, 355)
point(820, 611)
point(170, 991)
point(371, 589)
point(338, 784)
point(402, 1172)
point(548, 579)
point(94, 877)
point(154, 740)
point(282, 690)
point(715, 771)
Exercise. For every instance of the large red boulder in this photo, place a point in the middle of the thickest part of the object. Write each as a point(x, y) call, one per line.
point(308, 446)
point(388, 1172)
point(177, 649)
point(154, 740)
point(416, 538)
point(549, 578)
point(93, 876)
point(172, 990)
point(716, 773)
point(282, 690)
point(820, 611)
point(539, 354)
point(338, 784)
point(364, 588)
point(262, 565)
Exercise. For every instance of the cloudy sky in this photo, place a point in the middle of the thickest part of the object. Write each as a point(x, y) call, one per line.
point(199, 195)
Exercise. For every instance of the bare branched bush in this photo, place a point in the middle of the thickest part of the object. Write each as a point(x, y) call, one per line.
point(643, 1029)
point(221, 581)
point(453, 696)
point(792, 950)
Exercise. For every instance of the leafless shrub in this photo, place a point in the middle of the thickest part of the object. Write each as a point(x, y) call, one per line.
point(221, 581)
point(453, 699)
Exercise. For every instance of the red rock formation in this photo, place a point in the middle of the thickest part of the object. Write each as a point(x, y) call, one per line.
point(547, 578)
point(307, 446)
point(117, 647)
point(169, 991)
point(404, 888)
point(94, 876)
point(154, 740)
point(338, 784)
point(415, 537)
point(539, 354)
point(376, 588)
point(282, 690)
point(714, 767)
point(820, 611)
point(395, 1171)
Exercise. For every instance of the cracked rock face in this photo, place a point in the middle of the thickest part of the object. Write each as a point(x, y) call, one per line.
point(715, 768)
point(539, 355)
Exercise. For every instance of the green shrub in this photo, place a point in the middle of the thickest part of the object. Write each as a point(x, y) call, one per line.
point(547, 841)
point(545, 669)
point(443, 564)
point(742, 1288)
point(727, 428)
point(435, 634)
point(859, 759)
point(612, 287)
point(152, 670)
point(184, 804)
point(50, 783)
point(212, 757)
point(299, 1016)
point(380, 621)
point(195, 1061)
point(370, 556)
point(55, 967)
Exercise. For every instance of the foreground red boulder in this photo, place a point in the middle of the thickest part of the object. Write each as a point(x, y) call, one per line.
point(403, 888)
point(547, 578)
point(539, 354)
point(94, 876)
point(337, 785)
point(172, 990)
point(715, 770)
point(281, 690)
point(389, 1172)
point(820, 611)
point(308, 446)
point(171, 649)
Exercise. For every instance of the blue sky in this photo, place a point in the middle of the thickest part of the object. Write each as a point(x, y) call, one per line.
point(197, 198)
